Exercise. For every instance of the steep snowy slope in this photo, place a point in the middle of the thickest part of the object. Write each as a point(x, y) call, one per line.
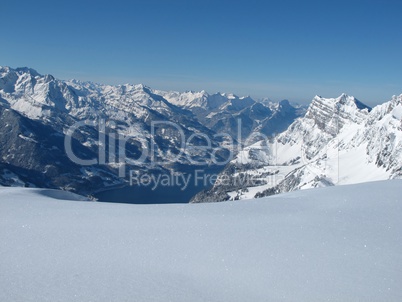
point(353, 146)
point(332, 244)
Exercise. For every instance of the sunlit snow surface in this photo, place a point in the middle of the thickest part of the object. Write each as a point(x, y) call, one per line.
point(333, 244)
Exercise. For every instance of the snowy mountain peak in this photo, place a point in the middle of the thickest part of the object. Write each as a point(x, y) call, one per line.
point(139, 87)
point(351, 101)
point(396, 100)
point(4, 69)
point(285, 105)
point(32, 72)
point(393, 109)
point(230, 96)
point(343, 99)
point(327, 111)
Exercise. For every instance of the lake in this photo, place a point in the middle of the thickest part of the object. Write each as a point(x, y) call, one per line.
point(162, 188)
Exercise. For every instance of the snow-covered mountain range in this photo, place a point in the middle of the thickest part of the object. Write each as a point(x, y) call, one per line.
point(221, 112)
point(37, 111)
point(333, 141)
point(338, 141)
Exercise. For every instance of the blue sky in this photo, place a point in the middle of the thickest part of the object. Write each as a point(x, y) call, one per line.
point(275, 49)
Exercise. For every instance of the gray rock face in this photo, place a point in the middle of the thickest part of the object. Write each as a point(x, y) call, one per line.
point(33, 155)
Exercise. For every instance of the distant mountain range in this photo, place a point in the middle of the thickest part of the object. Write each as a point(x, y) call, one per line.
point(37, 112)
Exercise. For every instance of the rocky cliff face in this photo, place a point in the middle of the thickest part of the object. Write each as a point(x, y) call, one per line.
point(32, 154)
point(323, 121)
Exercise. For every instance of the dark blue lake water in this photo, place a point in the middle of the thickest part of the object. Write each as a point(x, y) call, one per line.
point(170, 191)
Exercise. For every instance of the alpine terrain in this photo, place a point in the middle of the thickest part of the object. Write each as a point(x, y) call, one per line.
point(115, 129)
point(338, 141)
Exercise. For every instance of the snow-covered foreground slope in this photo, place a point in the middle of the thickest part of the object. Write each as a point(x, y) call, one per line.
point(332, 244)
